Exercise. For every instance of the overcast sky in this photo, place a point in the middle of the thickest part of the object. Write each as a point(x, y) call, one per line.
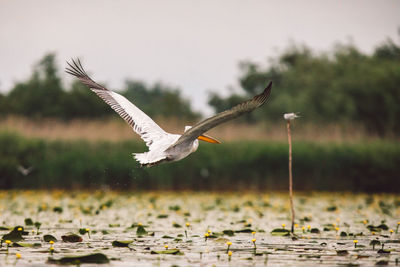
point(193, 45)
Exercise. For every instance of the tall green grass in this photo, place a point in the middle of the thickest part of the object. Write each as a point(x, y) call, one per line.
point(368, 167)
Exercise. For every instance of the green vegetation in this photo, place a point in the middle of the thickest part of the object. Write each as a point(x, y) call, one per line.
point(343, 86)
point(232, 166)
point(44, 96)
point(244, 228)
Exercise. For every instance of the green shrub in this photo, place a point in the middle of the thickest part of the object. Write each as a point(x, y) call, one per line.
point(231, 166)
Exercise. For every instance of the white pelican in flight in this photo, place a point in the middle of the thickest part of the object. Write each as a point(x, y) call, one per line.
point(163, 146)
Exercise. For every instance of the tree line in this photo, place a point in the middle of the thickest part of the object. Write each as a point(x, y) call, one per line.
point(43, 95)
point(342, 86)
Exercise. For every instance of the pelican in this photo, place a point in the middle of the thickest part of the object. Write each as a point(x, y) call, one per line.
point(163, 146)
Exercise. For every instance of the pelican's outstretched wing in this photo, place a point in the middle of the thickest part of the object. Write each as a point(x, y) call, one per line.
point(224, 116)
point(148, 130)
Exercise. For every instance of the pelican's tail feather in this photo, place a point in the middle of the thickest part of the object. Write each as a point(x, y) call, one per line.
point(147, 159)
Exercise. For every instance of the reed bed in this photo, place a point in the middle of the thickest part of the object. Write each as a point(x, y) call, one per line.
point(114, 129)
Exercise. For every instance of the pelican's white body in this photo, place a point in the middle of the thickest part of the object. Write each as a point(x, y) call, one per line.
point(162, 153)
point(161, 150)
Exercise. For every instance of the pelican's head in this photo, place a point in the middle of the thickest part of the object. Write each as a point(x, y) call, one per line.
point(204, 137)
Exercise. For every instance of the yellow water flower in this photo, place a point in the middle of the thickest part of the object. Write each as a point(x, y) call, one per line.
point(206, 234)
point(296, 225)
point(337, 229)
point(18, 255)
point(8, 242)
point(283, 225)
point(253, 240)
point(230, 253)
point(140, 224)
point(187, 224)
point(19, 229)
point(391, 231)
point(51, 242)
point(229, 243)
point(209, 231)
point(166, 246)
point(87, 229)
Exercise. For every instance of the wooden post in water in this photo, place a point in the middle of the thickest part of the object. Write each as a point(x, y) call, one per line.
point(290, 173)
point(289, 117)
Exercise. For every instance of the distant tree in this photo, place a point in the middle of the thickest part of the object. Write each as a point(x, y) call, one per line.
point(43, 96)
point(343, 86)
point(80, 102)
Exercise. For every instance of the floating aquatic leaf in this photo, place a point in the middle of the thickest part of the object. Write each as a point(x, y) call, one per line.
point(383, 251)
point(331, 208)
point(97, 258)
point(228, 232)
point(174, 208)
point(342, 252)
point(3, 228)
point(343, 234)
point(168, 251)
point(315, 231)
point(141, 231)
point(382, 262)
point(378, 228)
point(280, 232)
point(374, 243)
point(383, 227)
point(71, 238)
point(114, 225)
point(28, 221)
point(162, 216)
point(20, 229)
point(13, 236)
point(26, 245)
point(83, 231)
point(48, 238)
point(119, 243)
point(58, 209)
point(167, 236)
point(176, 225)
point(246, 230)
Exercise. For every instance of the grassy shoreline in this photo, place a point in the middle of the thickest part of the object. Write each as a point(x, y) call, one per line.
point(249, 165)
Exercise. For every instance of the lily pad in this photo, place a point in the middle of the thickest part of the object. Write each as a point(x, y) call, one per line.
point(26, 245)
point(141, 231)
point(120, 243)
point(28, 221)
point(228, 232)
point(13, 236)
point(246, 230)
point(72, 238)
point(48, 238)
point(315, 231)
point(168, 251)
point(342, 252)
point(97, 258)
point(280, 232)
point(383, 251)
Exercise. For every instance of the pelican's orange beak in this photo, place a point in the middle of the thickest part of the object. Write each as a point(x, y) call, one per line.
point(209, 139)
